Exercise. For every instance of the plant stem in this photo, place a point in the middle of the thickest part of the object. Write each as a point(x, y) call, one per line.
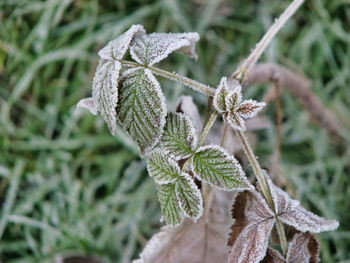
point(196, 85)
point(264, 186)
point(245, 67)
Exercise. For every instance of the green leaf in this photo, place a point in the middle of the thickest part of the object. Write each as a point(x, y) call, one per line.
point(189, 196)
point(169, 204)
point(163, 169)
point(179, 136)
point(141, 108)
point(214, 165)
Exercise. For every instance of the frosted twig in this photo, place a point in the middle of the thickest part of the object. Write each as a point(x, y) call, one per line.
point(196, 85)
point(247, 64)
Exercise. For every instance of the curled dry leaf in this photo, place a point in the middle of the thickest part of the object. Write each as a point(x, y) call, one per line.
point(179, 136)
point(292, 213)
point(251, 230)
point(152, 48)
point(201, 242)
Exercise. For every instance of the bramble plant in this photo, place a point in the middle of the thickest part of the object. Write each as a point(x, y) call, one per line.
point(187, 172)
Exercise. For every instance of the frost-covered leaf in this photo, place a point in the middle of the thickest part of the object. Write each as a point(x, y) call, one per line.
point(89, 104)
point(104, 93)
point(215, 166)
point(220, 95)
point(152, 48)
point(141, 108)
point(251, 230)
point(179, 136)
point(169, 204)
point(303, 248)
point(200, 242)
point(273, 256)
point(249, 108)
point(237, 110)
point(163, 169)
point(292, 213)
point(116, 48)
point(189, 196)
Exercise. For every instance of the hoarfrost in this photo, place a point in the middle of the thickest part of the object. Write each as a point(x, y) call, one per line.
point(152, 48)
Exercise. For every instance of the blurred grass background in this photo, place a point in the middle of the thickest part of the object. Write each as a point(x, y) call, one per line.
point(67, 185)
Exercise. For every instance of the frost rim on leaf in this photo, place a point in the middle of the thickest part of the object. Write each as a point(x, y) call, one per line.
point(240, 175)
point(187, 127)
point(158, 115)
point(149, 49)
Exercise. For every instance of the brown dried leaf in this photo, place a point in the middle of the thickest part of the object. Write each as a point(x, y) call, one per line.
point(303, 248)
point(250, 232)
point(273, 256)
point(292, 213)
point(201, 242)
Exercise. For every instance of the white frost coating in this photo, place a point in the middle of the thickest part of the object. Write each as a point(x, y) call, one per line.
point(189, 197)
point(179, 136)
point(141, 108)
point(169, 204)
point(214, 165)
point(251, 230)
point(298, 249)
point(115, 49)
point(163, 169)
point(89, 104)
point(238, 110)
point(150, 49)
point(292, 213)
point(104, 93)
point(220, 94)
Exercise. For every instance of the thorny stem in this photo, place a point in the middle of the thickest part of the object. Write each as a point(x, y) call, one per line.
point(175, 77)
point(264, 187)
point(245, 67)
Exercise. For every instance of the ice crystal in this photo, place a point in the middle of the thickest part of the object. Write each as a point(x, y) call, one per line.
point(251, 230)
point(163, 169)
point(141, 108)
point(273, 256)
point(116, 49)
point(179, 136)
point(215, 166)
point(292, 213)
point(152, 48)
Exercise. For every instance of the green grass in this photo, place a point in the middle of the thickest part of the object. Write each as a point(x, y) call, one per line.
point(67, 185)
